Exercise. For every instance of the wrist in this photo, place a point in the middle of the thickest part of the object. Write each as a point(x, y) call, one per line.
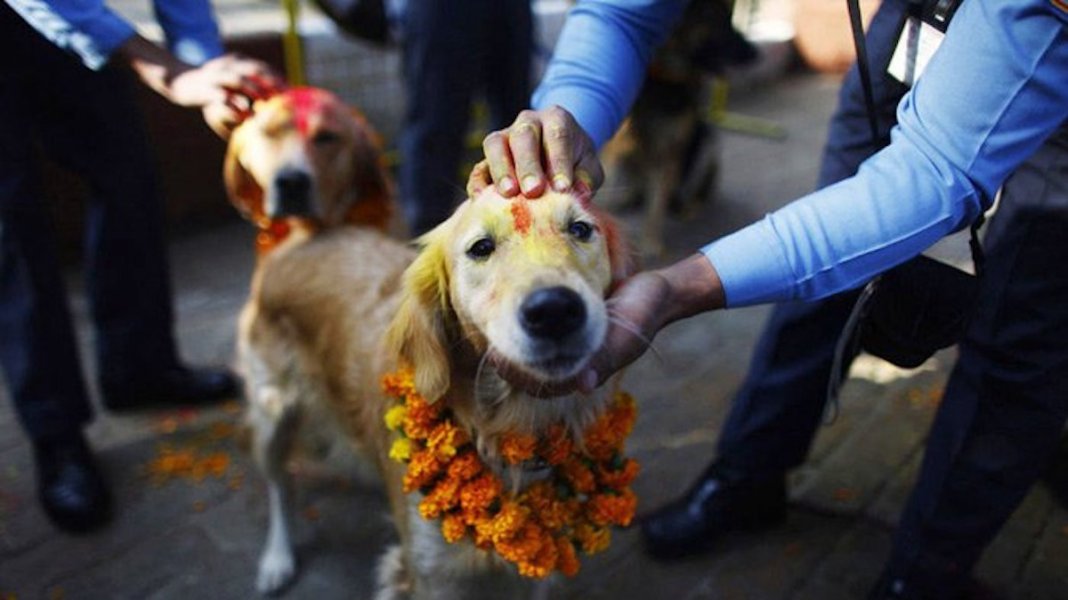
point(693, 287)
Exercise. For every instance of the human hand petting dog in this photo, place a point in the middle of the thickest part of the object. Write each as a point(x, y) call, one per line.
point(642, 306)
point(224, 88)
point(540, 149)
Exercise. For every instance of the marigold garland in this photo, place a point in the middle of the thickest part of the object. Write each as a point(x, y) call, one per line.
point(544, 527)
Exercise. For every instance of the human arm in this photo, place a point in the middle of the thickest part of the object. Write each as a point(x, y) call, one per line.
point(995, 90)
point(96, 35)
point(596, 71)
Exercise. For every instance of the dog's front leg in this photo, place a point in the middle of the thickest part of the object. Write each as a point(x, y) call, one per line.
point(274, 421)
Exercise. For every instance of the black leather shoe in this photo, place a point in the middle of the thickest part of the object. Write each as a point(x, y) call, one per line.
point(69, 487)
point(174, 386)
point(716, 504)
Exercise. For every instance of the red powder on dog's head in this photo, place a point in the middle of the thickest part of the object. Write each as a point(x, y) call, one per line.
point(521, 215)
point(305, 102)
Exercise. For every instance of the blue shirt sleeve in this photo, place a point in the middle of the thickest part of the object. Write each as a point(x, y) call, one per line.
point(599, 61)
point(190, 28)
point(86, 28)
point(92, 31)
point(991, 95)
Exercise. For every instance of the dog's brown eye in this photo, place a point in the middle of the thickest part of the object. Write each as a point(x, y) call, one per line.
point(482, 248)
point(324, 138)
point(580, 230)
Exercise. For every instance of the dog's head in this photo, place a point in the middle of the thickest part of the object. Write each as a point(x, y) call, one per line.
point(524, 278)
point(304, 154)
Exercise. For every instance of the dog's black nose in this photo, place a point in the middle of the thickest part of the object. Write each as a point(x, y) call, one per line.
point(292, 189)
point(552, 312)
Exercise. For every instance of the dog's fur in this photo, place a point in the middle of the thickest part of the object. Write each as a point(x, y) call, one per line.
point(332, 310)
point(667, 153)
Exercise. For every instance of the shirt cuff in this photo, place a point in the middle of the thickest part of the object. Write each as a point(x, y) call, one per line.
point(590, 114)
point(751, 266)
point(105, 34)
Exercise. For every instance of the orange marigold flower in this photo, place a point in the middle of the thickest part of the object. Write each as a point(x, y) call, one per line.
point(612, 509)
point(444, 439)
point(453, 528)
point(420, 419)
point(578, 476)
point(517, 447)
point(444, 497)
point(592, 539)
point(524, 547)
point(478, 494)
point(508, 521)
point(422, 469)
point(552, 511)
point(557, 445)
point(567, 560)
point(399, 383)
point(621, 478)
point(465, 465)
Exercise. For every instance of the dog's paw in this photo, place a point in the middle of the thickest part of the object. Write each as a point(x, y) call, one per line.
point(277, 570)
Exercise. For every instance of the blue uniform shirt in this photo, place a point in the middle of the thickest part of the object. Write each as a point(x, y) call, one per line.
point(994, 91)
point(92, 31)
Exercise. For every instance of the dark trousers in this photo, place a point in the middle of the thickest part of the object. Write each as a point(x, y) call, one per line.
point(1007, 398)
point(88, 122)
point(454, 49)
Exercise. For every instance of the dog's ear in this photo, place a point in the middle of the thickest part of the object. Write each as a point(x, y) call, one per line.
point(621, 256)
point(245, 194)
point(371, 180)
point(418, 333)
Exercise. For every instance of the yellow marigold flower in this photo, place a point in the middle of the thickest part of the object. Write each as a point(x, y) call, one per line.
point(517, 447)
point(611, 509)
point(422, 469)
point(394, 417)
point(478, 494)
point(444, 439)
point(567, 560)
point(465, 465)
point(619, 479)
point(592, 539)
point(578, 476)
point(453, 528)
point(401, 450)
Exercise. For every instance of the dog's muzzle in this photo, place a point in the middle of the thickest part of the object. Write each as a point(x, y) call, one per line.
point(292, 195)
point(552, 314)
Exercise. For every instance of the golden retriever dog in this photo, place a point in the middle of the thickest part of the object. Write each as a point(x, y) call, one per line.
point(666, 156)
point(334, 309)
point(305, 160)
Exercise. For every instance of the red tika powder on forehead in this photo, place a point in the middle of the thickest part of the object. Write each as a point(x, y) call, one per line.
point(305, 101)
point(521, 215)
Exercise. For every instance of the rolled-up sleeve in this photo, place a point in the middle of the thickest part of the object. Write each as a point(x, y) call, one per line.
point(992, 94)
point(598, 65)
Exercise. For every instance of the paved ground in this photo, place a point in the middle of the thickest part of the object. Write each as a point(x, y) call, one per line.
point(191, 511)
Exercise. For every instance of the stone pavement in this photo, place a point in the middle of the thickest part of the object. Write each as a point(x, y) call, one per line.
point(191, 511)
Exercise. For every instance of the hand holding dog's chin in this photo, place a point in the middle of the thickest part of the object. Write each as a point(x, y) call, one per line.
point(541, 150)
point(638, 310)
